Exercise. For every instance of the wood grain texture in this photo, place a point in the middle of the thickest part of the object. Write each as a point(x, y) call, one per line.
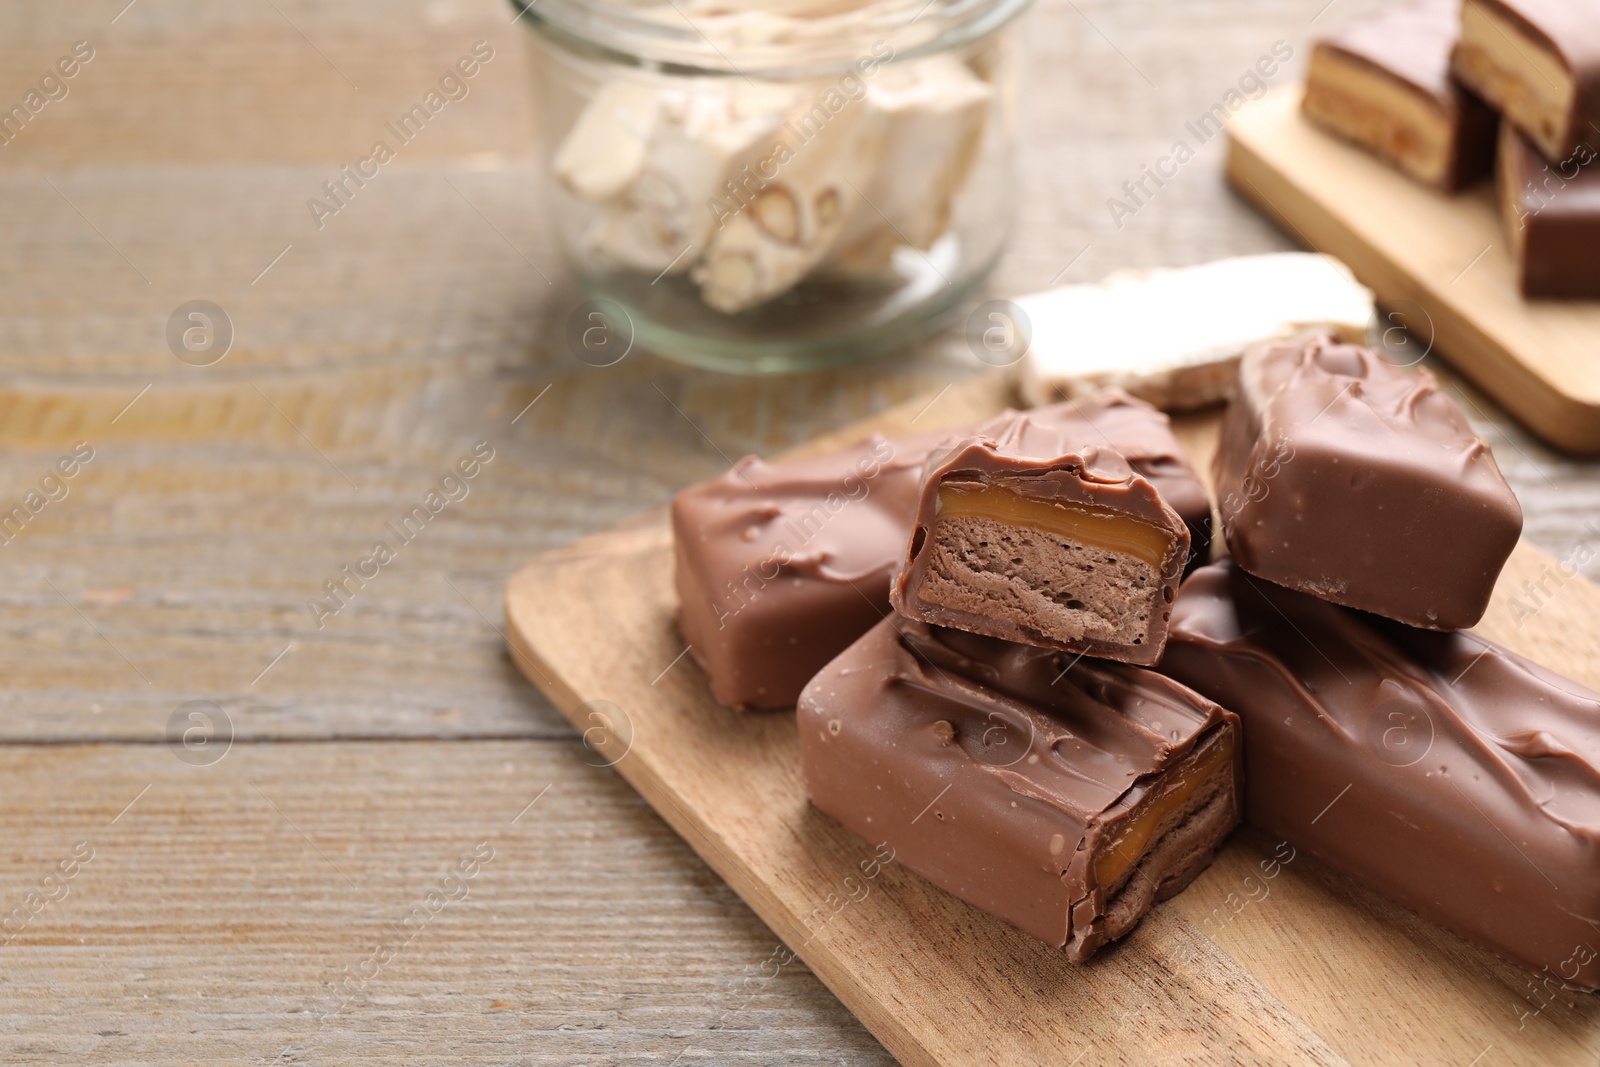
point(1310, 972)
point(1447, 255)
point(415, 323)
point(232, 914)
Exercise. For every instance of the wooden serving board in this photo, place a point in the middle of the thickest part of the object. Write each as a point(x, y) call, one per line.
point(1299, 967)
point(1440, 265)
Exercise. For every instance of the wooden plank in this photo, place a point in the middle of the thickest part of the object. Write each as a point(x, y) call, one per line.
point(222, 912)
point(1310, 974)
point(1416, 248)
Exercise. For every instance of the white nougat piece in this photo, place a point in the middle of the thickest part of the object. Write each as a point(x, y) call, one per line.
point(933, 112)
point(604, 151)
point(1174, 337)
point(792, 220)
point(701, 138)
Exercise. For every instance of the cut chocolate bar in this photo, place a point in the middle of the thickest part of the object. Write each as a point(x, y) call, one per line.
point(1344, 476)
point(1537, 62)
point(1552, 214)
point(1384, 83)
point(1447, 773)
point(1030, 532)
point(779, 566)
point(1143, 436)
point(1064, 797)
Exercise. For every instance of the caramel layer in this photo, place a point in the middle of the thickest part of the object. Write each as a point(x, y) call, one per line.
point(1133, 836)
point(1106, 528)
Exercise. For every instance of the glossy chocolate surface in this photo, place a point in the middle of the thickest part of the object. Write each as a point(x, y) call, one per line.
point(1342, 475)
point(1003, 772)
point(1447, 773)
point(779, 566)
point(1055, 456)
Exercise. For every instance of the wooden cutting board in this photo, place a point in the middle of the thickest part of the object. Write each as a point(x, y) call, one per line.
point(1441, 266)
point(1299, 967)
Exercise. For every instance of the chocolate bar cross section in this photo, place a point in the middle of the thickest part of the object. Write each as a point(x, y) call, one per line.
point(1063, 797)
point(1031, 531)
point(1537, 62)
point(1447, 773)
point(780, 565)
point(1384, 83)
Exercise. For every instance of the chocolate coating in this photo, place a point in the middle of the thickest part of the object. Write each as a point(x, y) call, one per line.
point(1050, 455)
point(770, 588)
point(1552, 213)
point(779, 566)
point(1344, 476)
point(1409, 46)
point(1449, 774)
point(1000, 775)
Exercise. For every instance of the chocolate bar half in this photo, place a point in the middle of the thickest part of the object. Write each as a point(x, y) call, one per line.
point(1552, 214)
point(1384, 83)
point(1030, 532)
point(1064, 797)
point(1342, 475)
point(1447, 773)
point(779, 566)
point(1537, 62)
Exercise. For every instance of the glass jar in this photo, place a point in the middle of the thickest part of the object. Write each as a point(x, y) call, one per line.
point(773, 185)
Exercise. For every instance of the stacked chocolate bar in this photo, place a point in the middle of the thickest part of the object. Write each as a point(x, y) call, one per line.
point(1424, 85)
point(969, 732)
point(1000, 676)
point(1367, 526)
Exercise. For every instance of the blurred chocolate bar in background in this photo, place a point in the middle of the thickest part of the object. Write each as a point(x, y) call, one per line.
point(1384, 83)
point(1552, 216)
point(1537, 62)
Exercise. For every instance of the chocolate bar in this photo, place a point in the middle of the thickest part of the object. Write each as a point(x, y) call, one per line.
point(1063, 797)
point(1552, 213)
point(1445, 772)
point(1031, 532)
point(1384, 83)
point(779, 566)
point(1537, 62)
point(1344, 476)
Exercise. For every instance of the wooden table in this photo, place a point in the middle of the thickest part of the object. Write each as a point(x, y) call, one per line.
point(301, 843)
